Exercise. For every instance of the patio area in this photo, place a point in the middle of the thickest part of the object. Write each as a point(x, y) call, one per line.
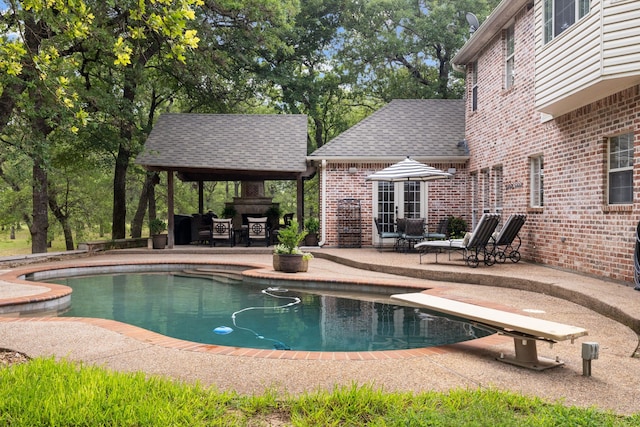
point(534, 290)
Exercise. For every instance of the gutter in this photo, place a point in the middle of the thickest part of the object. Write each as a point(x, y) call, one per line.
point(495, 22)
point(387, 159)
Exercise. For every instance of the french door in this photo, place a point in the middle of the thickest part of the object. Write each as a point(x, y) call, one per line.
point(393, 200)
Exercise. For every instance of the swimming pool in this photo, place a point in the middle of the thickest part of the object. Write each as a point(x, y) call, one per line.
point(224, 309)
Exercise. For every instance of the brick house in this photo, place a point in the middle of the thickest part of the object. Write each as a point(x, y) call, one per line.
point(552, 122)
point(552, 119)
point(429, 131)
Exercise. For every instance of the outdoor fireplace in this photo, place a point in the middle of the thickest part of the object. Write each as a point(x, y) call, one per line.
point(252, 202)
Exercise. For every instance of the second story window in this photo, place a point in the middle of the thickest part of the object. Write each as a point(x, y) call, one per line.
point(561, 14)
point(510, 74)
point(621, 169)
point(474, 87)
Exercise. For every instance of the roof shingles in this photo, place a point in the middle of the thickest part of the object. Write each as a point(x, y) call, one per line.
point(404, 127)
point(233, 142)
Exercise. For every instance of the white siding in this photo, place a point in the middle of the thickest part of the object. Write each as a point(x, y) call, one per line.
point(604, 45)
point(571, 61)
point(621, 38)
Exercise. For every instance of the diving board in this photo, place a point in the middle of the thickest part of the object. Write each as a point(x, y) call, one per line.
point(525, 330)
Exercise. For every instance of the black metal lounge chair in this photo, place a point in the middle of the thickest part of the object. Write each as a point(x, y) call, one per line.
point(504, 240)
point(395, 235)
point(477, 243)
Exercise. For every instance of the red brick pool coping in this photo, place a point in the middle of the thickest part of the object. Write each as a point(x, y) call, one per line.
point(255, 271)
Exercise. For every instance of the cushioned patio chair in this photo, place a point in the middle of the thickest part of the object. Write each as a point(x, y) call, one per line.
point(504, 241)
point(222, 231)
point(474, 244)
point(395, 235)
point(257, 230)
point(441, 232)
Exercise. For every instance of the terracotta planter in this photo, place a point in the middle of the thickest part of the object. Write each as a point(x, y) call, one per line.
point(159, 241)
point(284, 263)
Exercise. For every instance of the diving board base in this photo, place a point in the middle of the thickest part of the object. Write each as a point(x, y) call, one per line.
point(524, 330)
point(527, 356)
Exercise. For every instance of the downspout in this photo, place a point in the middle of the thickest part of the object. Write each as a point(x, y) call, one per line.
point(323, 207)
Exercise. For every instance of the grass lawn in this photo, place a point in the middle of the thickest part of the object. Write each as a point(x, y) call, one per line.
point(21, 245)
point(45, 392)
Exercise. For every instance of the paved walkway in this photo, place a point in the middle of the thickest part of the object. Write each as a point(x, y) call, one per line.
point(613, 321)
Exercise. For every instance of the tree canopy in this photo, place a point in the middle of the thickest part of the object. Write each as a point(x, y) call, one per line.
point(82, 82)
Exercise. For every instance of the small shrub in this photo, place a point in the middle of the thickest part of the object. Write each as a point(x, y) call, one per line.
point(290, 238)
point(457, 227)
point(157, 226)
point(312, 225)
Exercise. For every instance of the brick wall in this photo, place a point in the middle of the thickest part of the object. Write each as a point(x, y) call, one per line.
point(348, 181)
point(576, 228)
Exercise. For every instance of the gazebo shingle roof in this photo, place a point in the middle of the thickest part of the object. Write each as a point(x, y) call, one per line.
point(420, 128)
point(228, 146)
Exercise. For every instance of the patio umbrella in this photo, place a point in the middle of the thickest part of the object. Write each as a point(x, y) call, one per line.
point(408, 170)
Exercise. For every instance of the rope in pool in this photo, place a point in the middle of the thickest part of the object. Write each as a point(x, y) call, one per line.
point(278, 345)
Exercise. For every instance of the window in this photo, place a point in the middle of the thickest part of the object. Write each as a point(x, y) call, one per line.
point(537, 178)
point(510, 74)
point(561, 14)
point(474, 87)
point(475, 200)
point(412, 199)
point(497, 188)
point(386, 205)
point(621, 169)
point(486, 190)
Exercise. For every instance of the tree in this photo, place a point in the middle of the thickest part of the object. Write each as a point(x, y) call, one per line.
point(403, 48)
point(303, 77)
point(36, 106)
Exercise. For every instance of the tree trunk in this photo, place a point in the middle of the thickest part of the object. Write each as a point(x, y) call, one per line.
point(153, 212)
point(40, 226)
point(118, 229)
point(63, 220)
point(147, 191)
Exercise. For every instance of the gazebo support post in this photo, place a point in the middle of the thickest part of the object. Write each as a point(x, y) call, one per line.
point(300, 200)
point(200, 197)
point(170, 209)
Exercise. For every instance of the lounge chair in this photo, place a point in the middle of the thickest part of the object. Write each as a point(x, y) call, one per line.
point(395, 235)
point(474, 244)
point(504, 240)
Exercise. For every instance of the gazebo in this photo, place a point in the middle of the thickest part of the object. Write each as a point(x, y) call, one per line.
point(228, 147)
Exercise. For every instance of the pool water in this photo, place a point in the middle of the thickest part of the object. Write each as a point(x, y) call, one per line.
point(235, 313)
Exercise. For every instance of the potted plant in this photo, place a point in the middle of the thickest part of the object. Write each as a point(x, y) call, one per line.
point(156, 227)
point(229, 211)
point(311, 225)
point(273, 216)
point(287, 256)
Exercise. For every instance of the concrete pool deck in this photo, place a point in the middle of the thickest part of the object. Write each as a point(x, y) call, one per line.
point(611, 319)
